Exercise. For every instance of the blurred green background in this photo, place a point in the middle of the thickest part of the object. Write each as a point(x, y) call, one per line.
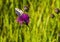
point(42, 28)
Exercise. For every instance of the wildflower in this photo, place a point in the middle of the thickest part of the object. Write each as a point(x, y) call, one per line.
point(26, 8)
point(22, 17)
point(57, 10)
point(52, 15)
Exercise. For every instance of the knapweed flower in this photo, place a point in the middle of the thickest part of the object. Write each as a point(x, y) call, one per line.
point(26, 8)
point(52, 15)
point(57, 10)
point(22, 17)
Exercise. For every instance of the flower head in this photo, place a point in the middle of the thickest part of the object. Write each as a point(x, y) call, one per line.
point(23, 18)
point(26, 8)
point(52, 15)
point(57, 10)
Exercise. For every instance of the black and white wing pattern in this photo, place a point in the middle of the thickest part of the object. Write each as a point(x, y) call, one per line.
point(18, 11)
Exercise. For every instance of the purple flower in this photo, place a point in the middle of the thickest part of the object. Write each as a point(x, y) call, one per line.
point(23, 18)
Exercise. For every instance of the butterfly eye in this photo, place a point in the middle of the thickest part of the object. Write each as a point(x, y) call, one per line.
point(18, 12)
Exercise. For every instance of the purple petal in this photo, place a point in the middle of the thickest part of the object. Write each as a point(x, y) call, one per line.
point(23, 18)
point(26, 18)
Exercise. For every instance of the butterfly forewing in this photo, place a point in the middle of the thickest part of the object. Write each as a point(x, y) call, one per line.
point(18, 11)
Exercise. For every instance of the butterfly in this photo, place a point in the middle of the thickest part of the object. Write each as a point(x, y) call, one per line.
point(22, 17)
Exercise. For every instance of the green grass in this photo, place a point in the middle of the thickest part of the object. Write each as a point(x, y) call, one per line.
point(42, 28)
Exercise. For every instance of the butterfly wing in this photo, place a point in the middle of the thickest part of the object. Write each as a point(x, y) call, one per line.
point(18, 11)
